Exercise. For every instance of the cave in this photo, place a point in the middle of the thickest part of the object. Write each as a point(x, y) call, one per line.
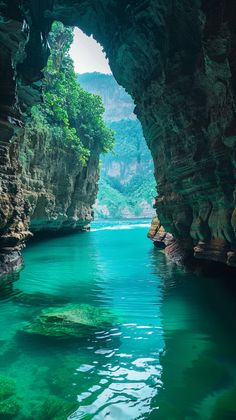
point(177, 62)
point(98, 326)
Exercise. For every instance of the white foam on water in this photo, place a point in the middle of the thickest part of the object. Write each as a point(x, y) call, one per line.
point(122, 227)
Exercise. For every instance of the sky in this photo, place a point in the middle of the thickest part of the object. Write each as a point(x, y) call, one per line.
point(87, 54)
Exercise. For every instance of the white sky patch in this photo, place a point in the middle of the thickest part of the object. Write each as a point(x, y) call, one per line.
point(87, 54)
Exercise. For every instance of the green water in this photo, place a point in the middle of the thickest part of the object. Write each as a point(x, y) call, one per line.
point(170, 353)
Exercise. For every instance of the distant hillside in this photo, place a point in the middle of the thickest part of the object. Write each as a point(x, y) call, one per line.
point(126, 187)
point(118, 103)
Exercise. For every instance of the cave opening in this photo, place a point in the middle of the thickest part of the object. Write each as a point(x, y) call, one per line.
point(126, 184)
point(102, 324)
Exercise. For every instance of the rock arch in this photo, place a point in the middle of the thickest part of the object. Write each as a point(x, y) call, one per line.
point(176, 59)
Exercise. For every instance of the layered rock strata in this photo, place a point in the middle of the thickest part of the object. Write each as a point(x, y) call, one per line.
point(174, 249)
point(13, 226)
point(44, 188)
point(177, 60)
point(58, 191)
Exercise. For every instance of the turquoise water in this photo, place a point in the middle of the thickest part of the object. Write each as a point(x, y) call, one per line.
point(169, 353)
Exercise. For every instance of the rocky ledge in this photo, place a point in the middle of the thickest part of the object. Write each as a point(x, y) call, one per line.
point(181, 254)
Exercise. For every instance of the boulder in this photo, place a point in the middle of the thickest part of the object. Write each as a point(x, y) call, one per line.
point(73, 320)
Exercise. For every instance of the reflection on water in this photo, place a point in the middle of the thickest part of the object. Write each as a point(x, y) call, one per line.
point(170, 353)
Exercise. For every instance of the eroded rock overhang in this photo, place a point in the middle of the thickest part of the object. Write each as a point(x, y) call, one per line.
point(177, 60)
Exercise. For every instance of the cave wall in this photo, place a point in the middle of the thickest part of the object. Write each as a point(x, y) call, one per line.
point(44, 188)
point(13, 230)
point(177, 60)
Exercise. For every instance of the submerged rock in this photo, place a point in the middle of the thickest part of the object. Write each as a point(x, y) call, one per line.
point(9, 408)
point(55, 408)
point(7, 387)
point(69, 321)
point(9, 403)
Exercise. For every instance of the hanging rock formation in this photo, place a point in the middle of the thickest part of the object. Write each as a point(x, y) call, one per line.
point(177, 60)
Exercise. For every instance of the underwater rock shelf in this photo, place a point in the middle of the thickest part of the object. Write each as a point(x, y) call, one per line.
point(69, 321)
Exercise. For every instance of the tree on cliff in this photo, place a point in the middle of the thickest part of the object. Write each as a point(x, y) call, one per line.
point(73, 115)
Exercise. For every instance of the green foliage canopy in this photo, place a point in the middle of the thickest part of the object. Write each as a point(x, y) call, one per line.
point(72, 114)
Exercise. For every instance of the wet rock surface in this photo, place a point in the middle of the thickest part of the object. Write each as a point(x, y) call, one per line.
point(69, 321)
point(10, 261)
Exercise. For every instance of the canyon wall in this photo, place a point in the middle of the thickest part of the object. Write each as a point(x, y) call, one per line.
point(58, 191)
point(177, 60)
point(46, 187)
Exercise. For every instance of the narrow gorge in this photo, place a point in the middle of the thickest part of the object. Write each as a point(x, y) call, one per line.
point(127, 186)
point(96, 322)
point(177, 62)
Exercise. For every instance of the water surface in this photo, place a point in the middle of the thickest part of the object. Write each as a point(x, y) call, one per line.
point(170, 353)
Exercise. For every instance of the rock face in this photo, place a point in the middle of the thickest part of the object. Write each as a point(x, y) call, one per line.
point(58, 191)
point(13, 225)
point(174, 249)
point(177, 60)
point(43, 186)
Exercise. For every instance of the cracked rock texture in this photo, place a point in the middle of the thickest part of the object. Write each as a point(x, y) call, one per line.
point(58, 191)
point(177, 60)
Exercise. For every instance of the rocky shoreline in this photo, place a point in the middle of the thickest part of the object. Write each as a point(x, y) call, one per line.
point(180, 253)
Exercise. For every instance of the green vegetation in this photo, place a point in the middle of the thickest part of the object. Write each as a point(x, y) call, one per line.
point(127, 185)
point(118, 104)
point(69, 114)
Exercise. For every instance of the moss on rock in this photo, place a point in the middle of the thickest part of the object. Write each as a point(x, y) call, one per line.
point(9, 408)
point(55, 408)
point(7, 387)
point(69, 321)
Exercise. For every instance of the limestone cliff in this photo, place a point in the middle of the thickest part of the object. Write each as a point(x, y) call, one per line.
point(58, 191)
point(50, 172)
point(177, 60)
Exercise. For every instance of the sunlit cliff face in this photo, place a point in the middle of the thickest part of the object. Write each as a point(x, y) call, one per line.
point(176, 59)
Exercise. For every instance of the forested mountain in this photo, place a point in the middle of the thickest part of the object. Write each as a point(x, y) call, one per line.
point(126, 187)
point(118, 104)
